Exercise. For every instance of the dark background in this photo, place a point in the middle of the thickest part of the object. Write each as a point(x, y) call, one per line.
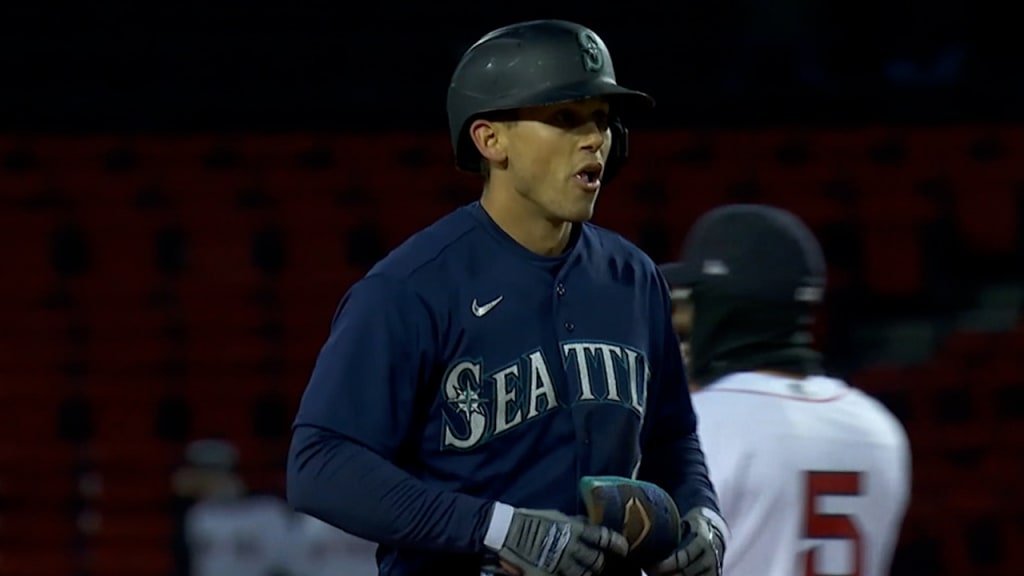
point(371, 66)
point(187, 190)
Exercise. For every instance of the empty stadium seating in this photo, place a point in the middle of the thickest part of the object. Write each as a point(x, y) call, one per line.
point(167, 289)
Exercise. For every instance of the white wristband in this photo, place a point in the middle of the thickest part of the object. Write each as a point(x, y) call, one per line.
point(719, 523)
point(497, 530)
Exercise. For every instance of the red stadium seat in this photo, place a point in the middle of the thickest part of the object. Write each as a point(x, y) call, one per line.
point(115, 493)
point(892, 260)
point(278, 151)
point(21, 187)
point(41, 458)
point(930, 148)
point(310, 308)
point(735, 150)
point(897, 388)
point(36, 562)
point(119, 559)
point(221, 257)
point(72, 153)
point(301, 350)
point(891, 213)
point(397, 225)
point(26, 490)
point(221, 414)
point(34, 422)
point(101, 194)
point(27, 528)
point(137, 354)
point(692, 191)
point(315, 222)
point(218, 353)
point(803, 191)
point(771, 148)
point(125, 415)
point(130, 454)
point(33, 355)
point(26, 253)
point(986, 210)
point(168, 155)
point(986, 168)
point(970, 344)
point(127, 330)
point(123, 257)
point(140, 527)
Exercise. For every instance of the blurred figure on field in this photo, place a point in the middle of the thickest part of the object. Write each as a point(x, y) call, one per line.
point(222, 530)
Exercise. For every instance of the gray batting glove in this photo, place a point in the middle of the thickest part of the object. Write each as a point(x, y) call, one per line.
point(547, 543)
point(702, 551)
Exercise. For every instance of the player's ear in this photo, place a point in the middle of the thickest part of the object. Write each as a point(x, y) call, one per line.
point(489, 140)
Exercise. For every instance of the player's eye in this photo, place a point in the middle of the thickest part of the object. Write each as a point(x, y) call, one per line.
point(566, 118)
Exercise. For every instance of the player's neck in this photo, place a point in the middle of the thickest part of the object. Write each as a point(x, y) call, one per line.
point(523, 221)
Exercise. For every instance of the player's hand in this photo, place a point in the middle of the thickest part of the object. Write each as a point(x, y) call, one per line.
point(701, 552)
point(547, 543)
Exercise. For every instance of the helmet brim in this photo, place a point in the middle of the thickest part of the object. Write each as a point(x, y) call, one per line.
point(623, 102)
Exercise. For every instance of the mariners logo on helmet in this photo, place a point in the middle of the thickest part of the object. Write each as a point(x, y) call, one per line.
point(537, 63)
point(593, 59)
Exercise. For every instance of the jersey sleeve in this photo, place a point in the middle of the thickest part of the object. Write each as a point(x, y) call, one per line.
point(672, 454)
point(366, 379)
point(354, 417)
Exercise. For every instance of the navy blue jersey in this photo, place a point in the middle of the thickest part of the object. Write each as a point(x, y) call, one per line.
point(482, 370)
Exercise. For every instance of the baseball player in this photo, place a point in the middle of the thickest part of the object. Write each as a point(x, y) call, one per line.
point(478, 372)
point(813, 475)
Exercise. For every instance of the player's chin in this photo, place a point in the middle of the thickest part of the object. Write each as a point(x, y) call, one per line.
point(581, 212)
point(581, 208)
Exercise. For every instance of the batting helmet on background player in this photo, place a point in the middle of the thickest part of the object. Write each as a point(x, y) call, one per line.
point(754, 251)
point(535, 64)
point(755, 274)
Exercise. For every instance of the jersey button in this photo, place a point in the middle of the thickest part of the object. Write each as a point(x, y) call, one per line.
point(570, 326)
point(560, 289)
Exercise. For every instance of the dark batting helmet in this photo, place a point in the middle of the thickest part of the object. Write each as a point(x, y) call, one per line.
point(534, 64)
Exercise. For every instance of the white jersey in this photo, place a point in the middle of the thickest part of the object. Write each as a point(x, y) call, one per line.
point(813, 476)
point(240, 537)
point(319, 549)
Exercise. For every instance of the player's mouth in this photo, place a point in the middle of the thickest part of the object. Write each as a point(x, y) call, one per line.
point(589, 177)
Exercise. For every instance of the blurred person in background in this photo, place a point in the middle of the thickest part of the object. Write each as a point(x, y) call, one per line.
point(813, 475)
point(222, 529)
point(319, 549)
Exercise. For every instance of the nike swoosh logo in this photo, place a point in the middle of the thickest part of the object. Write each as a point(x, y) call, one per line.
point(479, 311)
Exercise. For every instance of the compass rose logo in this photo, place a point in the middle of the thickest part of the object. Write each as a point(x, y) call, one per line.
point(467, 400)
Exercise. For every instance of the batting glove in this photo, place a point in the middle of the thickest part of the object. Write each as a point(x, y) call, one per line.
point(702, 551)
point(548, 543)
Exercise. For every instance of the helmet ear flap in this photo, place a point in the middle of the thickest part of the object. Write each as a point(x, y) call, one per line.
point(619, 150)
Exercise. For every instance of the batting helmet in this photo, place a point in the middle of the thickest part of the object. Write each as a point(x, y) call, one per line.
point(752, 250)
point(536, 63)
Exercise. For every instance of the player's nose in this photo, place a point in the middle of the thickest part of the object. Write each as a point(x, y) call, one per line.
point(593, 136)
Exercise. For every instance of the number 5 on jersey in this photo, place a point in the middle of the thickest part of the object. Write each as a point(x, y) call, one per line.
point(818, 525)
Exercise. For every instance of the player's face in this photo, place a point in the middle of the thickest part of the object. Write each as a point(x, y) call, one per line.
point(556, 155)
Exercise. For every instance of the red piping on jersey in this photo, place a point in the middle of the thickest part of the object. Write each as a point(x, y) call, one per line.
point(777, 395)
